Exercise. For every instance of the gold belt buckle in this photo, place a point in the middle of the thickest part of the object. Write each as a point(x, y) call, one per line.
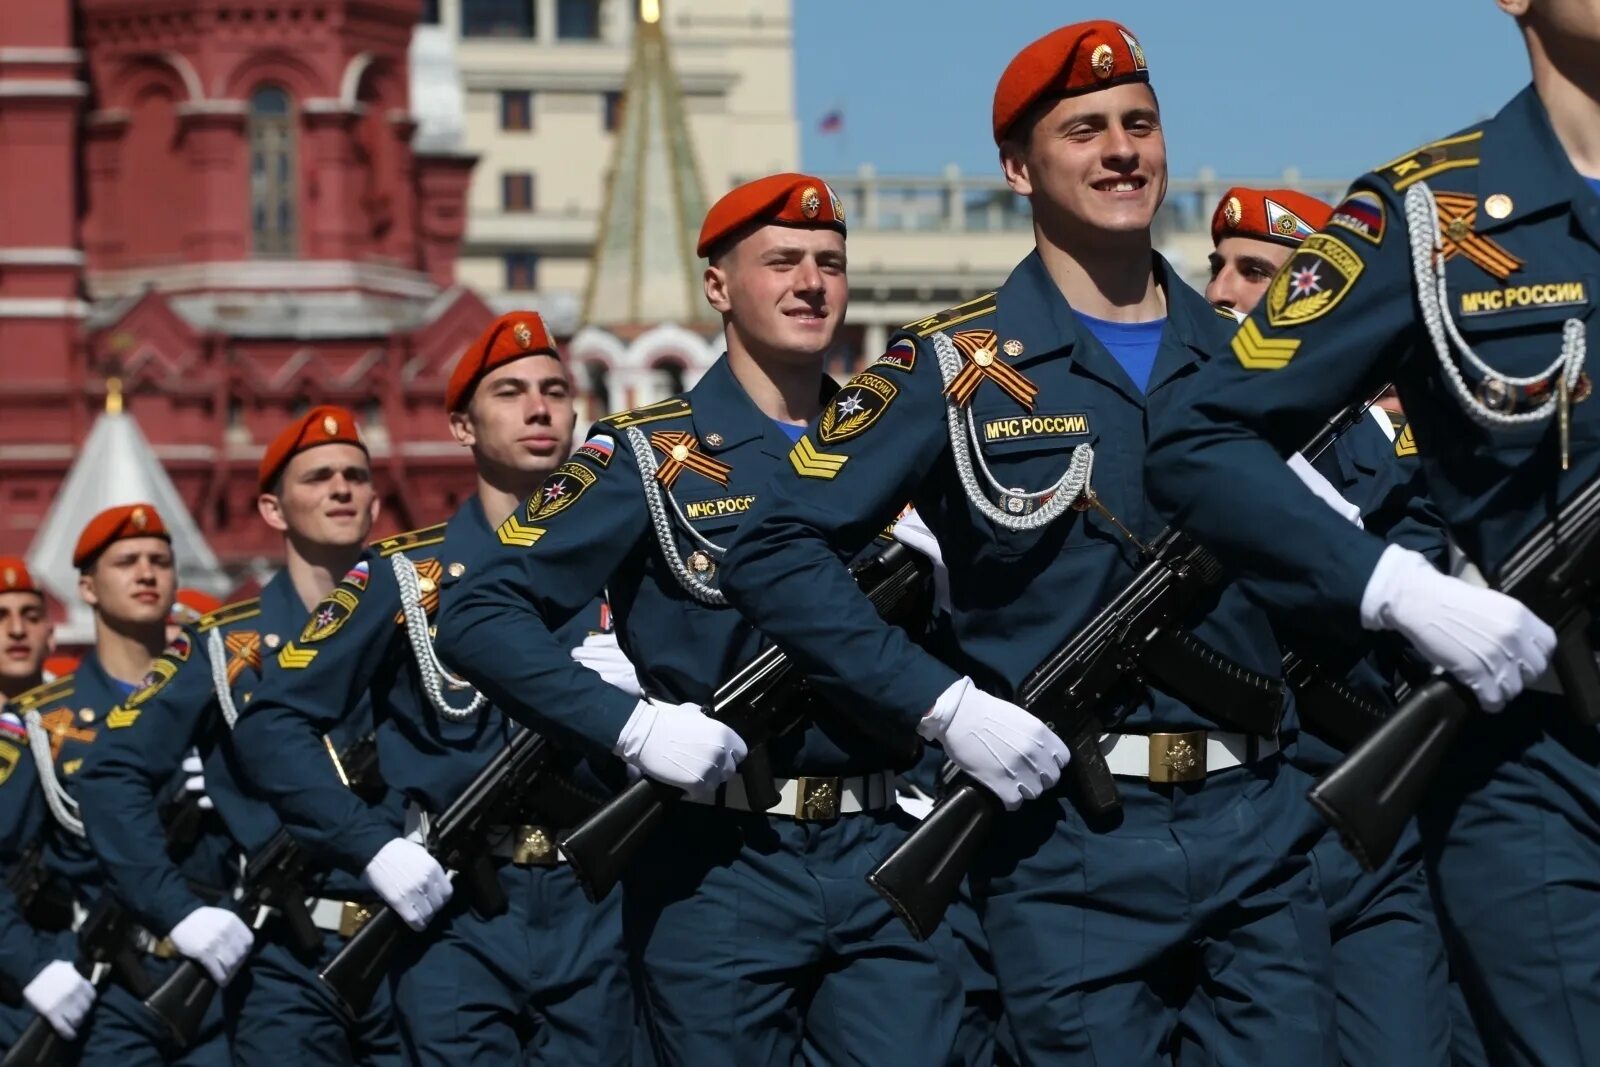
point(817, 799)
point(352, 917)
point(1178, 757)
point(534, 847)
point(164, 949)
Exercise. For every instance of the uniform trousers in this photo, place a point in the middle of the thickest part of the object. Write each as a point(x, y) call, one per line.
point(1188, 926)
point(757, 940)
point(279, 1011)
point(545, 982)
point(1511, 836)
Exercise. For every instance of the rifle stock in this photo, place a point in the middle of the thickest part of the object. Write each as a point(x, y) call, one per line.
point(937, 860)
point(38, 1046)
point(355, 974)
point(181, 1001)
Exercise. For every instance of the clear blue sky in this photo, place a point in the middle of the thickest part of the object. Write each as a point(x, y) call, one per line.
point(1247, 87)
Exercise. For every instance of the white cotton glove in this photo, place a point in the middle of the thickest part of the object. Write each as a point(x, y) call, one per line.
point(1015, 756)
point(601, 654)
point(912, 532)
point(62, 996)
point(409, 880)
point(215, 938)
point(676, 744)
point(1324, 489)
point(195, 782)
point(1492, 643)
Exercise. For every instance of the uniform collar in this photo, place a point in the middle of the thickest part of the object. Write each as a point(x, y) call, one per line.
point(725, 417)
point(1520, 157)
point(1030, 309)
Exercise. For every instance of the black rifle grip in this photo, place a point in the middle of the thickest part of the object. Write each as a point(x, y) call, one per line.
point(302, 931)
point(180, 1003)
point(1369, 797)
point(1088, 774)
point(760, 789)
point(481, 879)
point(923, 874)
point(354, 974)
point(39, 1046)
point(598, 849)
point(1579, 673)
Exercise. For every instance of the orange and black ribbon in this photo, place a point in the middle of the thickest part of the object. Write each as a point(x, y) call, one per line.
point(244, 650)
point(984, 362)
point(681, 450)
point(1457, 213)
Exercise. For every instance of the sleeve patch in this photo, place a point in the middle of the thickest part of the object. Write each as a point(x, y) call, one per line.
point(1313, 282)
point(1363, 214)
point(161, 672)
point(329, 615)
point(560, 491)
point(1406, 443)
point(517, 533)
point(10, 756)
point(122, 718)
point(809, 463)
point(598, 449)
point(900, 356)
point(854, 409)
point(1257, 352)
point(295, 659)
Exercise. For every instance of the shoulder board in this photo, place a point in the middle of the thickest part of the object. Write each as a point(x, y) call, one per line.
point(953, 316)
point(48, 693)
point(228, 613)
point(428, 535)
point(670, 408)
point(1431, 159)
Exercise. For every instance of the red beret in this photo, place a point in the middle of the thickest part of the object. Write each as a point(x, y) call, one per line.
point(191, 605)
point(325, 424)
point(15, 578)
point(784, 199)
point(117, 524)
point(1075, 59)
point(511, 336)
point(1280, 215)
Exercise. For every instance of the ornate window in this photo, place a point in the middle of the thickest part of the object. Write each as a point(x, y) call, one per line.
point(274, 179)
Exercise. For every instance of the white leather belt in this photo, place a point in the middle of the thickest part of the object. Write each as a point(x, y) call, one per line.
point(526, 846)
point(814, 798)
point(342, 917)
point(1186, 756)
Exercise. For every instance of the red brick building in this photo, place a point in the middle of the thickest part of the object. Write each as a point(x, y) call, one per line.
point(227, 205)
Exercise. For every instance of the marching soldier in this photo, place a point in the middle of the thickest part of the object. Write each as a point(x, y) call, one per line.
point(1193, 911)
point(1388, 956)
point(26, 633)
point(1463, 272)
point(315, 484)
point(124, 558)
point(549, 973)
point(753, 935)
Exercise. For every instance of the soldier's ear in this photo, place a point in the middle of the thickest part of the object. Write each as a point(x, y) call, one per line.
point(1014, 165)
point(271, 510)
point(462, 428)
point(716, 286)
point(86, 588)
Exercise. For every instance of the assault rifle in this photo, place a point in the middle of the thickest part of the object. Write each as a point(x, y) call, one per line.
point(761, 701)
point(1369, 797)
point(105, 951)
point(1130, 643)
point(521, 774)
point(272, 883)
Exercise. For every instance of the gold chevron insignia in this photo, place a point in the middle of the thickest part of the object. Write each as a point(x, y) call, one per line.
point(121, 717)
point(516, 532)
point(295, 659)
point(1256, 352)
point(1406, 443)
point(809, 463)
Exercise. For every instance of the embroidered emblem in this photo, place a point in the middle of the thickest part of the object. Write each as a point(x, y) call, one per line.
point(160, 673)
point(599, 448)
point(855, 408)
point(328, 616)
point(979, 348)
point(1255, 352)
point(682, 450)
point(1023, 427)
point(1523, 297)
point(121, 718)
point(10, 756)
point(1457, 213)
point(517, 533)
point(719, 507)
point(1286, 223)
point(901, 356)
point(1363, 214)
point(296, 659)
point(810, 463)
point(1134, 50)
point(1406, 443)
point(1313, 282)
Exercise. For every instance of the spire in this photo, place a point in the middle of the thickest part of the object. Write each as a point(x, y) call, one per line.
point(116, 465)
point(644, 269)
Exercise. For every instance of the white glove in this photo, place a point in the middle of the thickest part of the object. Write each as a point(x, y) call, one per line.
point(601, 654)
point(1492, 643)
point(195, 783)
point(912, 532)
point(678, 745)
point(215, 938)
point(1324, 489)
point(1011, 752)
point(409, 880)
point(62, 996)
